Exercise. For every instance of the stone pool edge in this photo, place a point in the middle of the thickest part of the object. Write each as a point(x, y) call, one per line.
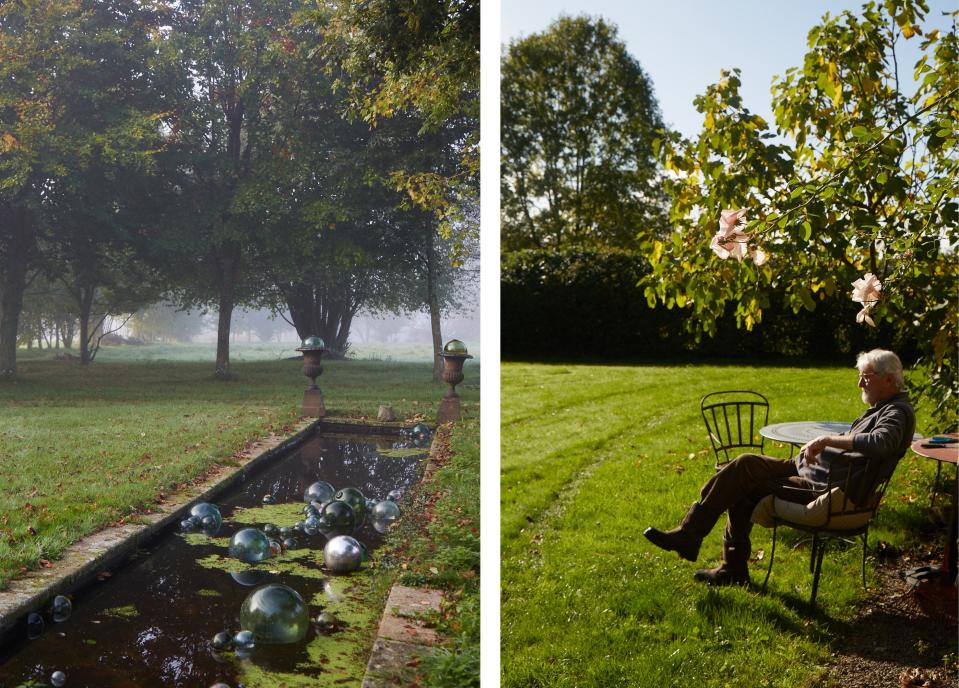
point(83, 561)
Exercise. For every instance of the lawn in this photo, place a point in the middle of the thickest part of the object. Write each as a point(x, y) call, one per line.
point(592, 455)
point(81, 448)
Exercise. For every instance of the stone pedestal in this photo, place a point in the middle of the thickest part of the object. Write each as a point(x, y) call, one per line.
point(313, 406)
point(386, 413)
point(449, 411)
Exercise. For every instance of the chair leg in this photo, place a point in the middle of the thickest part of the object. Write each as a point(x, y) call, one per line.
point(821, 550)
point(772, 555)
point(812, 553)
point(865, 537)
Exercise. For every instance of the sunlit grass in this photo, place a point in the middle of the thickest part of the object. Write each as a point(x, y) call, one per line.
point(81, 448)
point(591, 455)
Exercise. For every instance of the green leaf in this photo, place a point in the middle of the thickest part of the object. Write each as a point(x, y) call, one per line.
point(806, 230)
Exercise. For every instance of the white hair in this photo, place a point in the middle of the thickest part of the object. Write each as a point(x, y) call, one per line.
point(882, 362)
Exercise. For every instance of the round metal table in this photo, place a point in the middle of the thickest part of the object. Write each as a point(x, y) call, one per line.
point(799, 432)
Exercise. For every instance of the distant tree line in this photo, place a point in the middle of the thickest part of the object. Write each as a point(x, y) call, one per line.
point(221, 154)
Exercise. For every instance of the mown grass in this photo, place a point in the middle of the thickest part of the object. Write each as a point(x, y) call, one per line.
point(591, 455)
point(81, 448)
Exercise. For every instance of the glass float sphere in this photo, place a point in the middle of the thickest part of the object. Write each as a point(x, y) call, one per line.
point(313, 342)
point(222, 641)
point(211, 525)
point(364, 552)
point(356, 500)
point(271, 529)
point(342, 554)
point(275, 614)
point(290, 543)
point(395, 495)
point(58, 679)
point(285, 532)
point(269, 499)
point(337, 518)
point(455, 346)
point(244, 640)
point(203, 509)
point(326, 621)
point(311, 526)
point(386, 511)
point(320, 491)
point(60, 608)
point(187, 524)
point(34, 626)
point(276, 549)
point(249, 545)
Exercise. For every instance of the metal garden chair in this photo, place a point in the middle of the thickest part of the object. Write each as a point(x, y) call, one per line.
point(833, 515)
point(733, 419)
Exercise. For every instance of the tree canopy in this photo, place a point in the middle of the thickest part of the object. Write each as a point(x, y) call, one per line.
point(579, 116)
point(852, 191)
point(205, 150)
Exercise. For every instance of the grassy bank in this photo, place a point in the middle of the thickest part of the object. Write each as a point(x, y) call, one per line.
point(81, 448)
point(440, 547)
point(591, 455)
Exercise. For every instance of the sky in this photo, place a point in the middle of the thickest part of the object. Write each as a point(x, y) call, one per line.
point(683, 44)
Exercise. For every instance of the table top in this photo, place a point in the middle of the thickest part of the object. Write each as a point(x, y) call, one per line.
point(800, 432)
point(947, 453)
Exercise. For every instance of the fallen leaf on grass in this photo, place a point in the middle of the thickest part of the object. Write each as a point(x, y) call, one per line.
point(44, 563)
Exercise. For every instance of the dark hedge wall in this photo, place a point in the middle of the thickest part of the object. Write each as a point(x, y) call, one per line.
point(585, 304)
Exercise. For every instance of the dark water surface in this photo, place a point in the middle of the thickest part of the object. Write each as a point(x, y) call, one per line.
point(151, 623)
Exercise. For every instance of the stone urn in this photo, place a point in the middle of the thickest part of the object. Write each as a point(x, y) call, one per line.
point(454, 356)
point(312, 349)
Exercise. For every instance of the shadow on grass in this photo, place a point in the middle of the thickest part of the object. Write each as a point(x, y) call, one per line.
point(715, 604)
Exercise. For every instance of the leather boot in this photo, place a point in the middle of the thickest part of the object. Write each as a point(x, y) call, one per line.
point(686, 538)
point(735, 567)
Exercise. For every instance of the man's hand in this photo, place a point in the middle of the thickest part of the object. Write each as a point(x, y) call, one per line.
point(813, 448)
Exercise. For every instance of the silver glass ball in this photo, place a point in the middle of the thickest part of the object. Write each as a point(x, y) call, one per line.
point(342, 554)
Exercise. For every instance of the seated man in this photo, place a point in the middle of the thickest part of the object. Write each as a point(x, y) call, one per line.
point(883, 434)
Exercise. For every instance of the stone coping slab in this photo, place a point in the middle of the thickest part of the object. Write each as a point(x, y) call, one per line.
point(403, 637)
point(83, 561)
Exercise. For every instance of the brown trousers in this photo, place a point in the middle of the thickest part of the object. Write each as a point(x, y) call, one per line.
point(740, 484)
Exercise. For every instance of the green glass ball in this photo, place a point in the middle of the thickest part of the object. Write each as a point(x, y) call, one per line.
point(276, 615)
point(455, 346)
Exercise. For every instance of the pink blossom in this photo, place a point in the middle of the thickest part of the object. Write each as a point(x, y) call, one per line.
point(731, 220)
point(866, 291)
point(731, 242)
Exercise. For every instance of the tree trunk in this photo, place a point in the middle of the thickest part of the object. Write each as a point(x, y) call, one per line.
point(16, 254)
point(84, 296)
point(228, 266)
point(433, 303)
point(314, 312)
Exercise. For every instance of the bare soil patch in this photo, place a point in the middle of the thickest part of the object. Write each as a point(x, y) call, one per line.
point(903, 636)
